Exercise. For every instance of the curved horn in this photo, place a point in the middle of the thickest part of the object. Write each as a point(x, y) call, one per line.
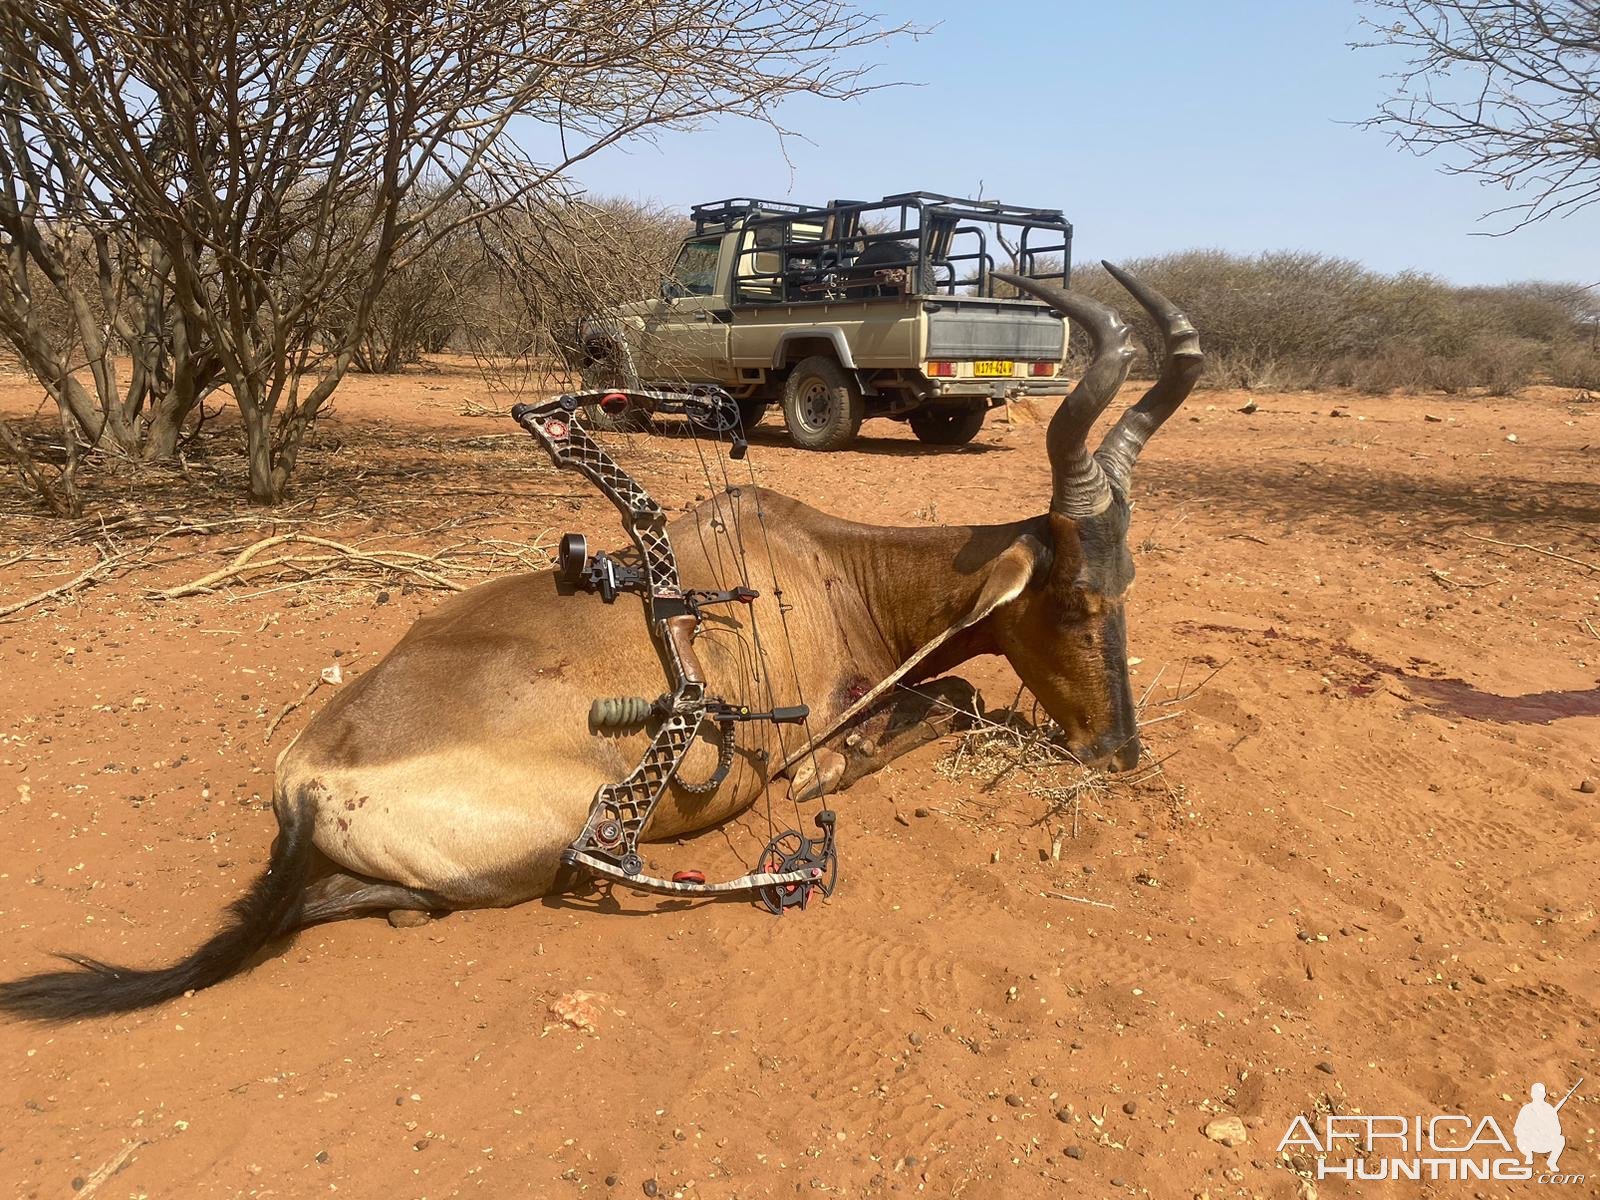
point(1079, 487)
point(1181, 364)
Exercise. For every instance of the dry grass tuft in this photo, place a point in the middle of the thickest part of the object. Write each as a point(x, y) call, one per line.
point(1024, 754)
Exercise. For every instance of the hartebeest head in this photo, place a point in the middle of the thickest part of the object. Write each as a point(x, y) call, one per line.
point(1066, 631)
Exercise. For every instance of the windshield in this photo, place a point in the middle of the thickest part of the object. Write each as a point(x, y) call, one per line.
point(695, 272)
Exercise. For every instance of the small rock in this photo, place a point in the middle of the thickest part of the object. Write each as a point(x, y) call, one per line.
point(1587, 787)
point(1073, 1151)
point(914, 1038)
point(1477, 978)
point(611, 1181)
point(1431, 418)
point(1117, 1181)
point(919, 812)
point(1227, 1130)
point(1064, 1115)
point(1511, 437)
point(1335, 413)
point(420, 1144)
point(579, 1009)
point(1249, 408)
point(1014, 1100)
point(77, 1183)
point(1325, 1067)
point(900, 819)
point(650, 1187)
point(1131, 1107)
point(1037, 1081)
point(322, 1156)
point(381, 598)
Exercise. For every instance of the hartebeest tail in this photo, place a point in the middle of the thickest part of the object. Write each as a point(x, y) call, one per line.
point(271, 908)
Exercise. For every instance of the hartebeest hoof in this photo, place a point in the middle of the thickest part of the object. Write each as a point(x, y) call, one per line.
point(817, 774)
point(408, 918)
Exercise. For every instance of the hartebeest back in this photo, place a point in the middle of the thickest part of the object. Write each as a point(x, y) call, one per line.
point(454, 772)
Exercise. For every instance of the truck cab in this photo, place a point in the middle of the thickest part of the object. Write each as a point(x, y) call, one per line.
point(850, 311)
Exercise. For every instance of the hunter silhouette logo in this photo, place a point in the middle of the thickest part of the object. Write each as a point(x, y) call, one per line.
point(1444, 1146)
point(1538, 1127)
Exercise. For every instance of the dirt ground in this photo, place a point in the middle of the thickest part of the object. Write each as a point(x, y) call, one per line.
point(1362, 882)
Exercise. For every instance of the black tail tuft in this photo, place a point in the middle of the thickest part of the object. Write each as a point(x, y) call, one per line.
point(269, 909)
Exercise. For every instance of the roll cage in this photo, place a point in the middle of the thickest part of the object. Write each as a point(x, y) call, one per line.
point(913, 243)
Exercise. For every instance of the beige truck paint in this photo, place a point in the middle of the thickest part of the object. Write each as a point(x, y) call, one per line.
point(886, 341)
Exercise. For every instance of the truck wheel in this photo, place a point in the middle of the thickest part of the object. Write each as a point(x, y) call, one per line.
point(941, 427)
point(633, 421)
point(821, 405)
point(751, 411)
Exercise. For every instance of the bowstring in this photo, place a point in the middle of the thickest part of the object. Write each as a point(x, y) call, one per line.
point(783, 618)
point(726, 530)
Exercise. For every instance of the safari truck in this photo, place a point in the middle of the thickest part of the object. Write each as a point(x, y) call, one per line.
point(850, 310)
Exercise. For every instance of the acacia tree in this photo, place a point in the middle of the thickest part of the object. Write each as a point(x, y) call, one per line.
point(80, 284)
point(555, 264)
point(282, 158)
point(423, 299)
point(1507, 90)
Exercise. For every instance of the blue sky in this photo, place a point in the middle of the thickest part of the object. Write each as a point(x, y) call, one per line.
point(1156, 124)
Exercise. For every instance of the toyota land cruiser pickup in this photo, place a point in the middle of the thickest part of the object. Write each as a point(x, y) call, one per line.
point(847, 311)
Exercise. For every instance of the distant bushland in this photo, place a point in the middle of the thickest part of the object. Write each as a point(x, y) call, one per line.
point(1290, 320)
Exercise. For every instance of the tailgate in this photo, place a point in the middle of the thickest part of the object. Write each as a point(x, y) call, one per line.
point(962, 327)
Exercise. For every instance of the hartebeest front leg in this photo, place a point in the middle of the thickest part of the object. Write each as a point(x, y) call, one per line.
point(906, 718)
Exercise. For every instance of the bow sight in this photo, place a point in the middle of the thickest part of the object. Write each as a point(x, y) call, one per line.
point(608, 576)
point(792, 865)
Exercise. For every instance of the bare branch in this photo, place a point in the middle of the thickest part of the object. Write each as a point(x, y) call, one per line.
point(1505, 91)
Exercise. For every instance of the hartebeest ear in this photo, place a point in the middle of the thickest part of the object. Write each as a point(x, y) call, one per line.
point(1009, 576)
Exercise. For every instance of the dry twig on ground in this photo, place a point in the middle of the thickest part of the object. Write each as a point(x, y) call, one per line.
point(98, 571)
point(1577, 562)
point(337, 559)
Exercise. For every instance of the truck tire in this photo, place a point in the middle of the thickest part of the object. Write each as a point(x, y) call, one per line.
point(947, 427)
point(822, 406)
point(751, 411)
point(632, 421)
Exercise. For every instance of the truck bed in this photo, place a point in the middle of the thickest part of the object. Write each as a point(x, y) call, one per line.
point(978, 327)
point(884, 332)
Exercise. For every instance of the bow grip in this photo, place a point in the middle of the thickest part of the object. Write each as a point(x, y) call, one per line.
point(679, 632)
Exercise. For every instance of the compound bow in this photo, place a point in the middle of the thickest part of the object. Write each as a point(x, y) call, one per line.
point(792, 865)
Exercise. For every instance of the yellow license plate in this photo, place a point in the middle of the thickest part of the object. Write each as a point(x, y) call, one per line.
point(993, 367)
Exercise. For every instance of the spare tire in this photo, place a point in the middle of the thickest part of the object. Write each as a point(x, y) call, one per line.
point(947, 426)
point(822, 406)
